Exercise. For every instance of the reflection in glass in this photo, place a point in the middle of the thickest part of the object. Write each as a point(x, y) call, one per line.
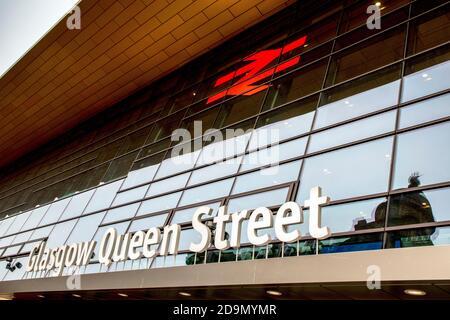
point(359, 215)
point(358, 170)
point(424, 111)
point(267, 177)
point(147, 223)
point(169, 184)
point(103, 197)
point(359, 104)
point(296, 85)
point(121, 213)
point(362, 242)
point(35, 218)
point(159, 204)
point(267, 199)
point(418, 237)
point(354, 131)
point(130, 195)
point(207, 192)
point(215, 171)
point(77, 204)
point(420, 206)
point(426, 81)
point(185, 215)
point(274, 154)
point(423, 153)
point(54, 212)
point(85, 228)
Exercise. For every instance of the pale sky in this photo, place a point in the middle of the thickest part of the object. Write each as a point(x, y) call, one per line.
point(24, 22)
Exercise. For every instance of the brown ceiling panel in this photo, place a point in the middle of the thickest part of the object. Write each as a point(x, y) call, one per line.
point(70, 75)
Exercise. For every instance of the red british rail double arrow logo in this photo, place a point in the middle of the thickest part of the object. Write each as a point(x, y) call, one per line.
point(249, 74)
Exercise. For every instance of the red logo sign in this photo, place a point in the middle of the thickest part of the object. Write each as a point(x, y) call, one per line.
point(249, 73)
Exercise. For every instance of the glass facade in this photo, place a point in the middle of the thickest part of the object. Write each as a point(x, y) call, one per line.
point(364, 114)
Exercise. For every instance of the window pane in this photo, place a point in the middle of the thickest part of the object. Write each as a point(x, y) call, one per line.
point(238, 109)
point(274, 154)
point(120, 228)
point(140, 176)
point(296, 84)
point(77, 204)
point(284, 123)
point(147, 223)
point(54, 212)
point(207, 192)
point(35, 218)
point(121, 213)
point(85, 228)
point(419, 207)
point(130, 195)
point(361, 242)
point(426, 81)
point(268, 177)
point(429, 31)
point(359, 215)
point(103, 197)
point(6, 223)
point(350, 172)
point(369, 55)
point(60, 233)
point(354, 131)
point(227, 148)
point(418, 237)
point(41, 233)
point(215, 171)
point(159, 204)
point(423, 157)
point(356, 105)
point(119, 167)
point(22, 237)
point(424, 111)
point(263, 199)
point(185, 215)
point(177, 164)
point(168, 184)
point(15, 227)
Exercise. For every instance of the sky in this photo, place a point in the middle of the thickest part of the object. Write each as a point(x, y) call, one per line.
point(24, 22)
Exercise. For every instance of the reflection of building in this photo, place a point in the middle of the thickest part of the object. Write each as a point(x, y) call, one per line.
point(336, 112)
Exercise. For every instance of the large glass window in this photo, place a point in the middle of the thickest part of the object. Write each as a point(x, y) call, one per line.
point(147, 223)
point(60, 233)
point(363, 102)
point(424, 111)
point(426, 81)
point(167, 185)
point(54, 212)
point(362, 242)
point(274, 154)
point(369, 55)
point(85, 228)
point(121, 213)
point(419, 207)
point(185, 215)
point(18, 223)
point(355, 171)
point(215, 171)
point(35, 218)
point(103, 196)
point(284, 123)
point(262, 199)
point(140, 176)
point(296, 84)
point(354, 131)
point(267, 177)
point(130, 195)
point(429, 30)
point(207, 192)
point(159, 204)
point(77, 205)
point(423, 157)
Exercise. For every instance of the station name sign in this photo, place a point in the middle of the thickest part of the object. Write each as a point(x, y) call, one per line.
point(116, 247)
